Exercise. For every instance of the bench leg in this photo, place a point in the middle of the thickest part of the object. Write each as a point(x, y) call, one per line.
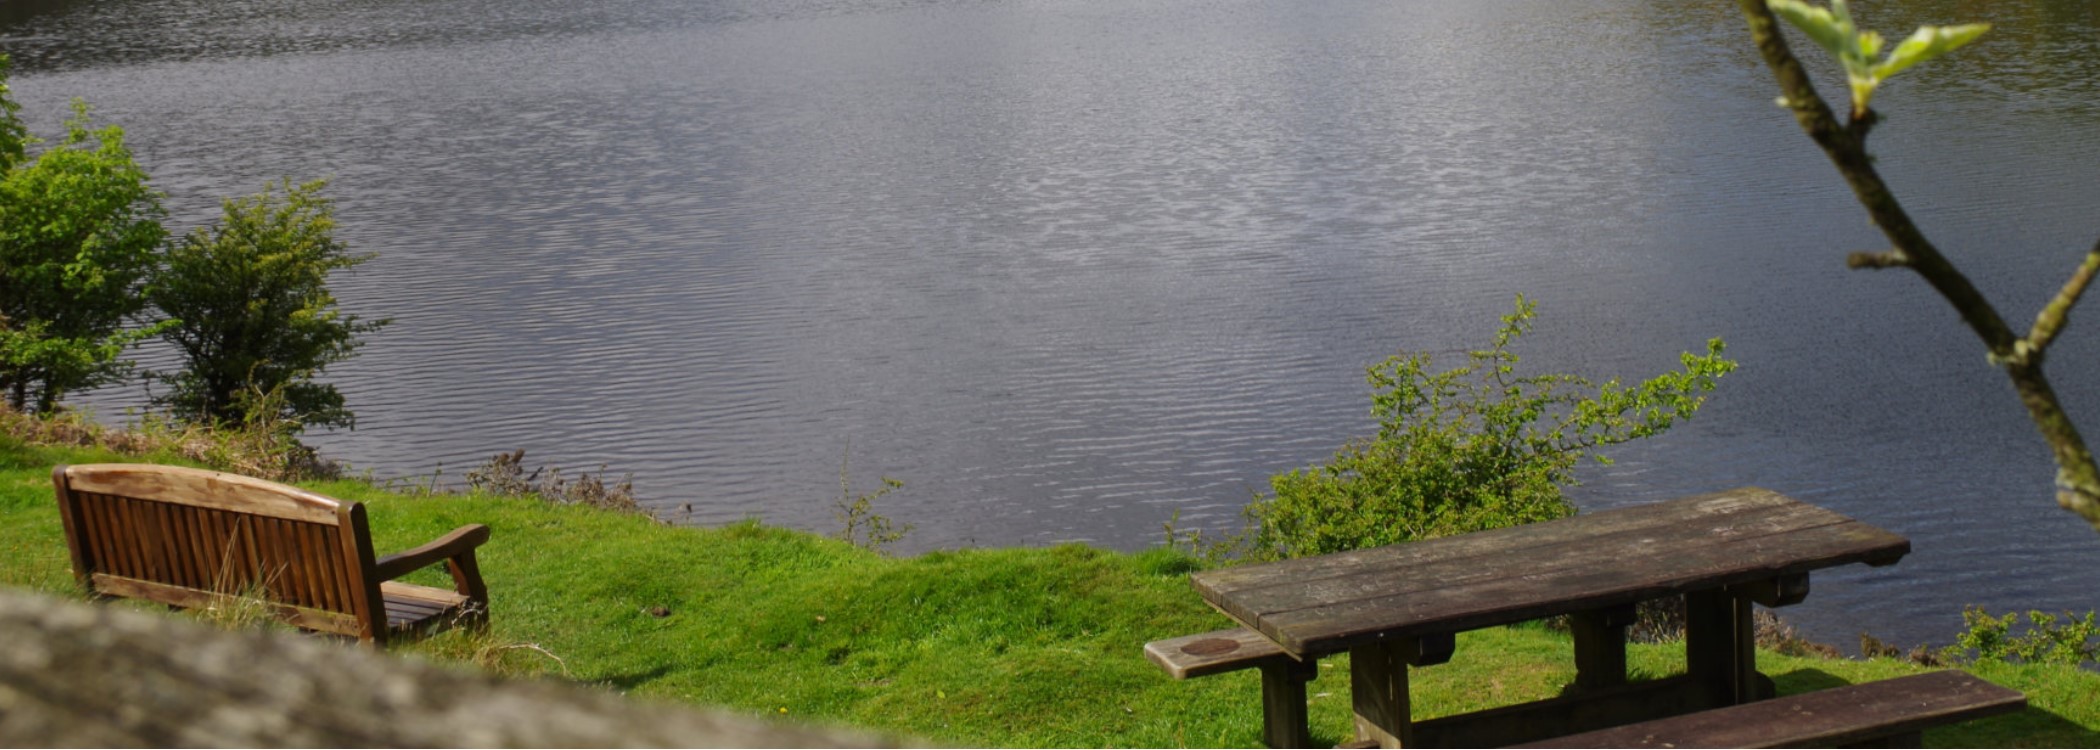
point(1378, 689)
point(1284, 720)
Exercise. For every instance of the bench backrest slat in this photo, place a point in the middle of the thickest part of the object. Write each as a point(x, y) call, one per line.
point(165, 531)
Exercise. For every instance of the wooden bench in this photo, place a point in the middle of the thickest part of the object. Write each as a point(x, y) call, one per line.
point(1885, 713)
point(1283, 677)
point(192, 538)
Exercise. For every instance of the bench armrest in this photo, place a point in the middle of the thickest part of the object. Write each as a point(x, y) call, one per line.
point(461, 542)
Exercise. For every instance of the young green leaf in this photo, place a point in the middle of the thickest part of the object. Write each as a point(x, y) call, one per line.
point(1818, 23)
point(1833, 30)
point(1926, 43)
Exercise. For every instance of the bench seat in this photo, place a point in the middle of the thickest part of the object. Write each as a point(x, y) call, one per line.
point(1214, 652)
point(1283, 677)
point(1889, 713)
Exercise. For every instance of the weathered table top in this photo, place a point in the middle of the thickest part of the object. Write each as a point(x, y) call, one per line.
point(1319, 605)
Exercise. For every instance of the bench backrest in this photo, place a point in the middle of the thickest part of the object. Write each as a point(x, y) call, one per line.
point(196, 538)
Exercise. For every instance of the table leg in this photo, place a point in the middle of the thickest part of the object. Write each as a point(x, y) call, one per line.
point(1720, 645)
point(1378, 688)
point(1600, 646)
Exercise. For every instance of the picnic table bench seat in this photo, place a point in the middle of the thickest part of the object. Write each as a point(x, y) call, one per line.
point(192, 538)
point(1883, 713)
point(1285, 719)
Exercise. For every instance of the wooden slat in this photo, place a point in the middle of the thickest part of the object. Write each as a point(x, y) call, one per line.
point(309, 570)
point(304, 617)
point(209, 489)
point(251, 561)
point(272, 574)
point(1837, 717)
point(132, 536)
point(410, 606)
point(1556, 591)
point(339, 579)
point(1569, 714)
point(1632, 549)
point(323, 553)
point(225, 567)
point(175, 547)
point(1457, 583)
point(103, 555)
point(202, 546)
point(317, 566)
point(1210, 653)
point(1512, 541)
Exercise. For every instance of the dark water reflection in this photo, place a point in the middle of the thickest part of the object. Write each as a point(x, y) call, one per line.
point(1068, 267)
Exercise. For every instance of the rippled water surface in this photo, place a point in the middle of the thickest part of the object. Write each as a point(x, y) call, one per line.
point(1068, 267)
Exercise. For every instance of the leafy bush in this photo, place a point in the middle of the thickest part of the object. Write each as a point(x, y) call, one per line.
point(253, 313)
point(79, 230)
point(1471, 448)
point(1990, 638)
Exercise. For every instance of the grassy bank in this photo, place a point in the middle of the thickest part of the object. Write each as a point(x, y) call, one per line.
point(997, 647)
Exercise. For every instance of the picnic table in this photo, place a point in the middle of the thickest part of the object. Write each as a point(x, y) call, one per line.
point(1398, 606)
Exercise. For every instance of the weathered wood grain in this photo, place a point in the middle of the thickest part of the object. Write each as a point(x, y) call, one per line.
point(1583, 563)
point(1838, 717)
point(1513, 540)
point(209, 489)
point(1569, 714)
point(1285, 722)
point(1214, 652)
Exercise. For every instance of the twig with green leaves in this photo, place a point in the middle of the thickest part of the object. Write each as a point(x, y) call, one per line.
point(858, 521)
point(1845, 143)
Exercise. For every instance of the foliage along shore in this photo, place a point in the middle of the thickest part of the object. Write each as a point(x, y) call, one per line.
point(988, 647)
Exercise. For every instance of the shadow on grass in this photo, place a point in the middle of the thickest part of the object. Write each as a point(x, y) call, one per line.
point(2028, 727)
point(632, 680)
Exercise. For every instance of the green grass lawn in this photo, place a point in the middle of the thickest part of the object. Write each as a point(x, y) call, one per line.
point(993, 647)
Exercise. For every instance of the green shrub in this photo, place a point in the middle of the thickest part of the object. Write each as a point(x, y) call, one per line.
point(79, 230)
point(1990, 638)
point(253, 316)
point(1471, 448)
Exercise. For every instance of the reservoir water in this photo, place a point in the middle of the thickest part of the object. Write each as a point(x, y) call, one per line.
point(1070, 267)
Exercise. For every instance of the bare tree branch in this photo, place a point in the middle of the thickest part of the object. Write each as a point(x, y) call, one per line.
point(2058, 311)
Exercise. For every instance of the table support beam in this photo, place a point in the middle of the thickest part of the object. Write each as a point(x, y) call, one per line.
point(1284, 722)
point(1378, 686)
point(1720, 644)
point(1600, 646)
point(1570, 714)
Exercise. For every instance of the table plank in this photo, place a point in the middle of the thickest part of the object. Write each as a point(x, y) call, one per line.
point(1512, 599)
point(1629, 548)
point(1500, 541)
point(1557, 567)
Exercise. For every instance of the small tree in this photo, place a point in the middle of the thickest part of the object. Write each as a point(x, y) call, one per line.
point(1471, 448)
point(255, 319)
point(79, 230)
